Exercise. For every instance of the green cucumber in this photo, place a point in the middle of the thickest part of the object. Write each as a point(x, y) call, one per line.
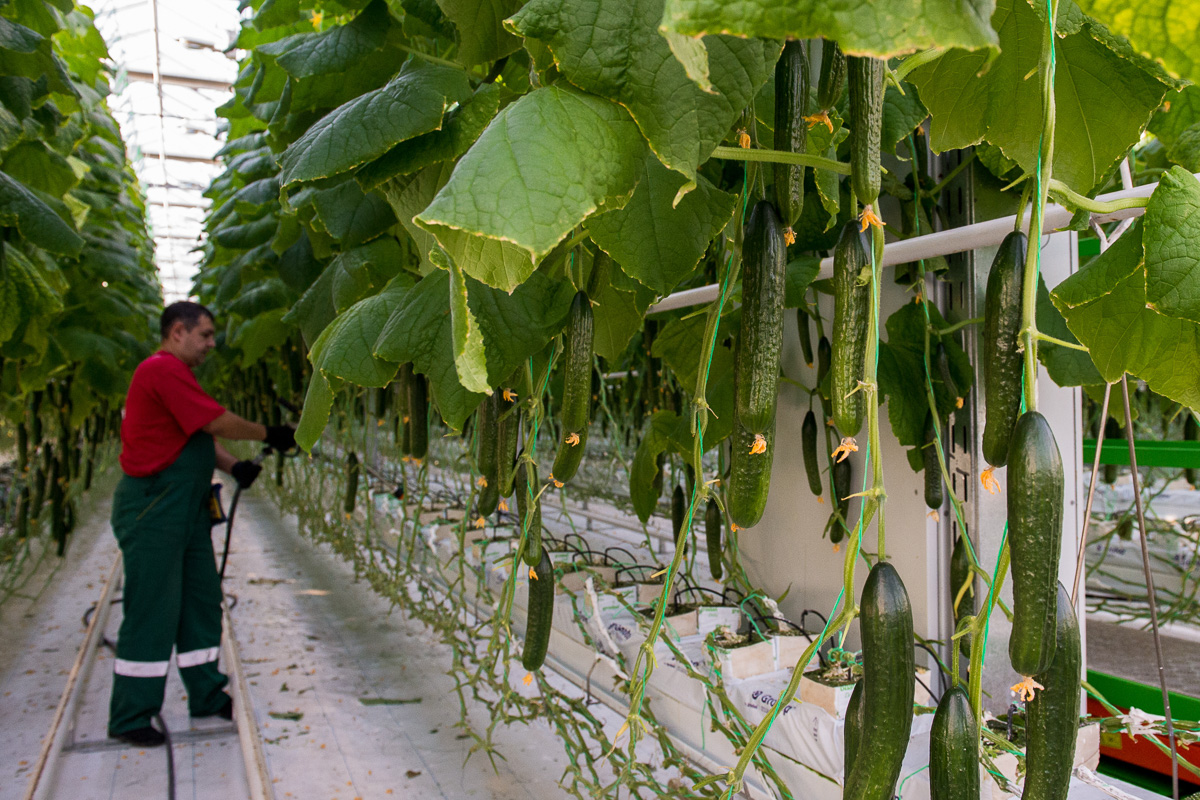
point(842, 472)
point(352, 470)
point(679, 507)
point(934, 496)
point(418, 417)
point(824, 358)
point(833, 75)
point(657, 483)
point(852, 734)
point(960, 573)
point(403, 432)
point(864, 76)
point(808, 449)
point(1003, 358)
point(539, 619)
point(941, 367)
point(803, 329)
point(1035, 508)
point(487, 440)
point(749, 475)
point(714, 526)
point(1191, 433)
point(764, 257)
point(577, 388)
point(791, 131)
point(851, 322)
point(954, 749)
point(528, 517)
point(1112, 431)
point(1052, 716)
point(510, 434)
point(885, 621)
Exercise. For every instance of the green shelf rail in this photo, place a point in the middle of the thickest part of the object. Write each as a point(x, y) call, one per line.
point(1150, 453)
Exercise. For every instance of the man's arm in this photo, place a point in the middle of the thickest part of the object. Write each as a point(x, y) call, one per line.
point(225, 459)
point(231, 426)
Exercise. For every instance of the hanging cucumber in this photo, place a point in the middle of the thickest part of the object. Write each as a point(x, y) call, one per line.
point(833, 75)
point(657, 483)
point(529, 518)
point(824, 358)
point(714, 525)
point(418, 416)
point(852, 734)
point(539, 620)
point(678, 511)
point(934, 496)
point(1112, 431)
point(1191, 433)
point(791, 131)
point(960, 573)
point(864, 77)
point(1003, 359)
point(804, 330)
point(887, 651)
point(764, 258)
point(510, 433)
point(577, 388)
point(403, 433)
point(954, 749)
point(851, 321)
point(352, 469)
point(808, 449)
point(756, 365)
point(1035, 507)
point(487, 452)
point(941, 369)
point(842, 472)
point(1052, 716)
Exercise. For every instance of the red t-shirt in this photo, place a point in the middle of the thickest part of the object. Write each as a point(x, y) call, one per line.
point(165, 406)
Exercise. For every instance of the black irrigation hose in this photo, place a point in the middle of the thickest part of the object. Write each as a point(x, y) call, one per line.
point(170, 757)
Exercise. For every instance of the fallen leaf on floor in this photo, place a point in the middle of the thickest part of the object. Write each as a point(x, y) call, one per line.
point(388, 701)
point(294, 716)
point(314, 592)
point(412, 773)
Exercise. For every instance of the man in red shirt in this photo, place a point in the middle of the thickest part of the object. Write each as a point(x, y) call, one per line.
point(172, 595)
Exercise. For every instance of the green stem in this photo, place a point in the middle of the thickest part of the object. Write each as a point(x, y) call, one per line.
point(950, 176)
point(958, 326)
point(917, 60)
point(1072, 199)
point(1042, 337)
point(432, 59)
point(781, 157)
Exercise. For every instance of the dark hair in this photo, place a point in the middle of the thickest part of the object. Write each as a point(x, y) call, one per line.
point(184, 311)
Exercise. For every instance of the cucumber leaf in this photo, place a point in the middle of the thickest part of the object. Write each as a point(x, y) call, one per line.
point(1157, 29)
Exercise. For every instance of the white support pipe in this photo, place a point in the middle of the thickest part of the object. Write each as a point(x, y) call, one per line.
point(942, 243)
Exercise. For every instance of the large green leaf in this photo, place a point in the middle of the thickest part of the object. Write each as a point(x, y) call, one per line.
point(543, 165)
point(25, 292)
point(412, 103)
point(350, 215)
point(248, 234)
point(334, 50)
point(480, 24)
point(1105, 307)
point(1171, 236)
point(38, 167)
point(1179, 112)
point(632, 64)
point(21, 209)
point(364, 270)
point(618, 317)
point(680, 344)
point(408, 195)
point(419, 330)
point(881, 30)
point(256, 336)
point(18, 38)
point(469, 358)
point(516, 326)
point(1165, 30)
point(1096, 73)
point(655, 241)
point(667, 433)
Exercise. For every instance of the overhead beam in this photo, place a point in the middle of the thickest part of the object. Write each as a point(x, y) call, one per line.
point(182, 80)
point(181, 157)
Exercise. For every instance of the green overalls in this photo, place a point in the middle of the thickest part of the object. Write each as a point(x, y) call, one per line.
point(172, 592)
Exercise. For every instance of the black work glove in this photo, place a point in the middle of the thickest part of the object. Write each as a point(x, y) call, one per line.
point(244, 472)
point(280, 437)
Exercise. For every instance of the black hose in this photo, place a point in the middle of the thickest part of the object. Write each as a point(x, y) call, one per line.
point(170, 757)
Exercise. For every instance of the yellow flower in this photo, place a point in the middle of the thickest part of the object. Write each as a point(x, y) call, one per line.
point(820, 118)
point(482, 482)
point(481, 523)
point(317, 16)
point(829, 422)
point(572, 439)
point(510, 395)
point(934, 515)
point(837, 548)
point(533, 574)
point(789, 236)
point(869, 217)
point(734, 527)
point(406, 420)
point(528, 679)
point(759, 445)
point(503, 504)
point(843, 450)
point(743, 139)
point(1026, 689)
point(958, 401)
point(820, 499)
point(557, 483)
point(988, 479)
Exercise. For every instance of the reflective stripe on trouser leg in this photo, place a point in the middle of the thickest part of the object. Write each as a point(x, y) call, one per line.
point(198, 640)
